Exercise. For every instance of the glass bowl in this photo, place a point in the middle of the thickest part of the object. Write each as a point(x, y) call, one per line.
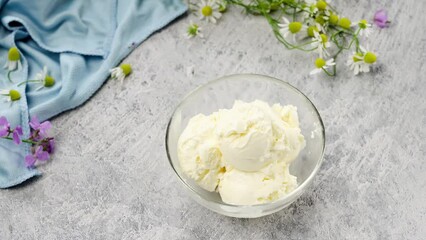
point(222, 93)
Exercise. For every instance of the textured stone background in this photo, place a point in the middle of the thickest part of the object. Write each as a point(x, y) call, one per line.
point(110, 178)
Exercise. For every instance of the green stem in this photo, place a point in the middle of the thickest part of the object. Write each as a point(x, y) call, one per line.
point(294, 14)
point(8, 76)
point(23, 140)
point(328, 73)
point(27, 82)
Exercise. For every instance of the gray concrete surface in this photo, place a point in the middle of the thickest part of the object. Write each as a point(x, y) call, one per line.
point(110, 177)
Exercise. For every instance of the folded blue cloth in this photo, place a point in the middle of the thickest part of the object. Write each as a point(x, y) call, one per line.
point(78, 41)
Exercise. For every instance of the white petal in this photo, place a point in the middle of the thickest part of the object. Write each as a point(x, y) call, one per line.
point(286, 34)
point(13, 65)
point(356, 69)
point(40, 87)
point(38, 76)
point(316, 35)
point(315, 71)
point(366, 68)
point(286, 20)
point(217, 14)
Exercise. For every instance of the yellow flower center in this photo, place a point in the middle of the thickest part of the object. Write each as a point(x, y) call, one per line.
point(324, 38)
point(13, 54)
point(370, 58)
point(319, 62)
point(334, 19)
point(320, 20)
point(193, 30)
point(14, 95)
point(295, 27)
point(127, 68)
point(207, 11)
point(49, 81)
point(345, 23)
point(363, 24)
point(311, 30)
point(321, 5)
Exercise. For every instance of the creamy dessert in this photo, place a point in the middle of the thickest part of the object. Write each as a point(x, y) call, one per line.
point(244, 153)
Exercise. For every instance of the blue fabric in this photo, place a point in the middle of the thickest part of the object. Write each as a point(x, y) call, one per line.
point(78, 41)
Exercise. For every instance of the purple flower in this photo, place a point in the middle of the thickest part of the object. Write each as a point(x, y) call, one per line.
point(4, 127)
point(48, 145)
point(39, 154)
point(41, 127)
point(16, 133)
point(51, 146)
point(381, 19)
point(30, 160)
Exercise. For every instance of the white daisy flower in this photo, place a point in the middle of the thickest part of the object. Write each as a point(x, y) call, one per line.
point(13, 59)
point(361, 61)
point(322, 5)
point(121, 72)
point(328, 14)
point(333, 19)
point(321, 43)
point(290, 28)
point(365, 28)
point(208, 10)
point(316, 27)
point(44, 79)
point(321, 64)
point(345, 23)
point(193, 30)
point(311, 9)
point(10, 95)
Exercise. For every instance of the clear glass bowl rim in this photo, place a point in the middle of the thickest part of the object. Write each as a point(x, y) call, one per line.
point(280, 201)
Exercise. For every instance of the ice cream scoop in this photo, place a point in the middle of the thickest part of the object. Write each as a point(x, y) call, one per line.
point(244, 152)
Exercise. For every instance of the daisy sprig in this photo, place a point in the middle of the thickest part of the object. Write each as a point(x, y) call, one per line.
point(306, 25)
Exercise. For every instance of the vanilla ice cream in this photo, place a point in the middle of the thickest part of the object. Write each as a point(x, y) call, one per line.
point(244, 152)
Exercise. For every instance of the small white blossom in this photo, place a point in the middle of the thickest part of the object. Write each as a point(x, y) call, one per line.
point(193, 30)
point(361, 61)
point(365, 28)
point(44, 79)
point(311, 9)
point(121, 72)
point(13, 59)
point(321, 43)
point(321, 64)
point(208, 10)
point(290, 28)
point(10, 95)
